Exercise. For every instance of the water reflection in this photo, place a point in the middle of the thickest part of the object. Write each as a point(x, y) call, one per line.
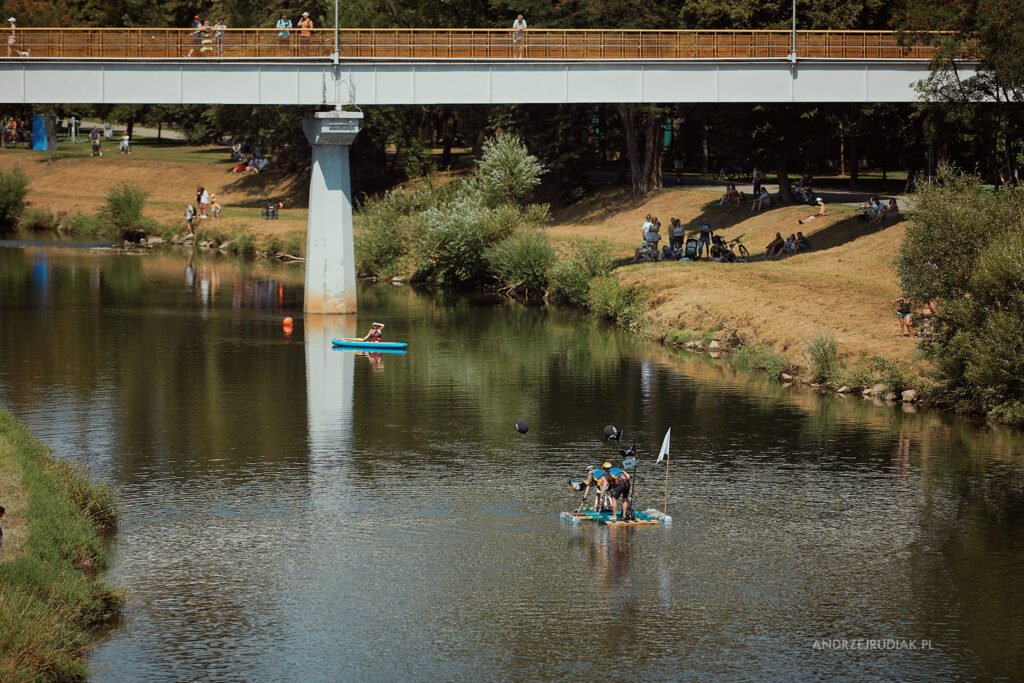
point(321, 514)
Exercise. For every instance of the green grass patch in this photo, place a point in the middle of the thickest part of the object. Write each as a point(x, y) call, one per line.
point(50, 600)
point(612, 300)
point(760, 358)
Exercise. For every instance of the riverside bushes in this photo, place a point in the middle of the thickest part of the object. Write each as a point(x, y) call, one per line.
point(579, 262)
point(823, 352)
point(965, 250)
point(122, 211)
point(13, 188)
point(443, 233)
point(522, 262)
point(479, 231)
point(50, 600)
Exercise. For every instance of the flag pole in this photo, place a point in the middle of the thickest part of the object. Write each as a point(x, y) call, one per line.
point(664, 453)
point(668, 459)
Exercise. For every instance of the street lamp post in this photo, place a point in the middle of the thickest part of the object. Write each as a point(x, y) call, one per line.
point(793, 47)
point(334, 55)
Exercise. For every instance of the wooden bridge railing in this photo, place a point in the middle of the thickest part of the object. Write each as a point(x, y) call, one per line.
point(447, 44)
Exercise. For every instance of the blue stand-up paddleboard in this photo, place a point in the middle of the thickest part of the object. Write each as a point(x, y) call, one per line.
point(368, 346)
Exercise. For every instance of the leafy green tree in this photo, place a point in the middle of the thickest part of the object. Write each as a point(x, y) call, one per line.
point(963, 250)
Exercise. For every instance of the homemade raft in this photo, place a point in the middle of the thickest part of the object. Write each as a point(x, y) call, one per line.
point(642, 518)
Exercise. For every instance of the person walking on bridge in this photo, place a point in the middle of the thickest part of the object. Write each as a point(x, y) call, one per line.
point(12, 37)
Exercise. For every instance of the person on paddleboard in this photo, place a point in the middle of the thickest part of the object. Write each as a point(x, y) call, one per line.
point(618, 485)
point(374, 335)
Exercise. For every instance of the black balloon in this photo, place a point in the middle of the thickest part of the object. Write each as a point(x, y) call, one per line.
point(522, 426)
point(610, 431)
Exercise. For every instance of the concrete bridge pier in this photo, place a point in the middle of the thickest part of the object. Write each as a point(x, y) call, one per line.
point(330, 254)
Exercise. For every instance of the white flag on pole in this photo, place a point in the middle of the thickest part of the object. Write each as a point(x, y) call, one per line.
point(664, 446)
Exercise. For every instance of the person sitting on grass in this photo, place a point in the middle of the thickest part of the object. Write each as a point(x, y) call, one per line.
point(731, 195)
point(667, 254)
point(717, 250)
point(762, 201)
point(891, 211)
point(774, 247)
point(789, 246)
point(821, 212)
point(801, 242)
point(642, 254)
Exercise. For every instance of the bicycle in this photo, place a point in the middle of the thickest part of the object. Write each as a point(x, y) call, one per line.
point(736, 246)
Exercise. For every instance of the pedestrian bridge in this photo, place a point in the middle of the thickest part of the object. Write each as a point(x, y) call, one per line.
point(459, 66)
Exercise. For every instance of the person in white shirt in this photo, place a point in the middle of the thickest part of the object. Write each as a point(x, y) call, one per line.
point(125, 146)
point(519, 36)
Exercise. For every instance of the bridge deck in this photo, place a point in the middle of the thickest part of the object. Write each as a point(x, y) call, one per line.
point(466, 44)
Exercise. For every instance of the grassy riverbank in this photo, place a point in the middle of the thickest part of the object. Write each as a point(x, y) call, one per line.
point(50, 601)
point(842, 289)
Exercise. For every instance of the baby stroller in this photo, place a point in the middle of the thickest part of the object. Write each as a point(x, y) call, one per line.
point(691, 250)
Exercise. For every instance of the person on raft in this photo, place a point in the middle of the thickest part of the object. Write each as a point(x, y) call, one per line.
point(597, 478)
point(374, 334)
point(618, 485)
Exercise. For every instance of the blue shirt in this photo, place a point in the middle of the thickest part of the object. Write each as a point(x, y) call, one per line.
point(705, 227)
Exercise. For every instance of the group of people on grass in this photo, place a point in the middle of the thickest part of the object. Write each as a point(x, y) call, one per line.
point(784, 247)
point(680, 247)
point(904, 311)
point(875, 210)
point(208, 205)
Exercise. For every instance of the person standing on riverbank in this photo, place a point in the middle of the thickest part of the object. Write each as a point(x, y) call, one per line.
point(190, 214)
point(903, 307)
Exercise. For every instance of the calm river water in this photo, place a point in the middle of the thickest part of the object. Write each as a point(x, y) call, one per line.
point(294, 512)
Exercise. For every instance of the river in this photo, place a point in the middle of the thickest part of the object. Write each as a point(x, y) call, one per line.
point(295, 512)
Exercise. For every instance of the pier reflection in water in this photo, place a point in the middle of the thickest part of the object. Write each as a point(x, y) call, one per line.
point(298, 512)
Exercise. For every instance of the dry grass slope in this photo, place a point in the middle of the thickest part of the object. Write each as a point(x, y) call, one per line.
point(844, 287)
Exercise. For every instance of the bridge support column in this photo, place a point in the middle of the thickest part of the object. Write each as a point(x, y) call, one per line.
point(330, 254)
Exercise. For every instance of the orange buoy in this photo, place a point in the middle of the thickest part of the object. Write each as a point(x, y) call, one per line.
point(287, 322)
point(287, 329)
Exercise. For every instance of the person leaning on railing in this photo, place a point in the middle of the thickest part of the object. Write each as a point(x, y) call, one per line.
point(519, 36)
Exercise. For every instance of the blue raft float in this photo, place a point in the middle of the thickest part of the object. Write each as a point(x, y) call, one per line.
point(647, 517)
point(368, 346)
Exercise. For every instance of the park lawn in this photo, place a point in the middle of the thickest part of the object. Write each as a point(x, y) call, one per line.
point(73, 182)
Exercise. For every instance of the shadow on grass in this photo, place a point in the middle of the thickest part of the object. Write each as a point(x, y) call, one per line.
point(725, 217)
point(847, 230)
point(292, 189)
